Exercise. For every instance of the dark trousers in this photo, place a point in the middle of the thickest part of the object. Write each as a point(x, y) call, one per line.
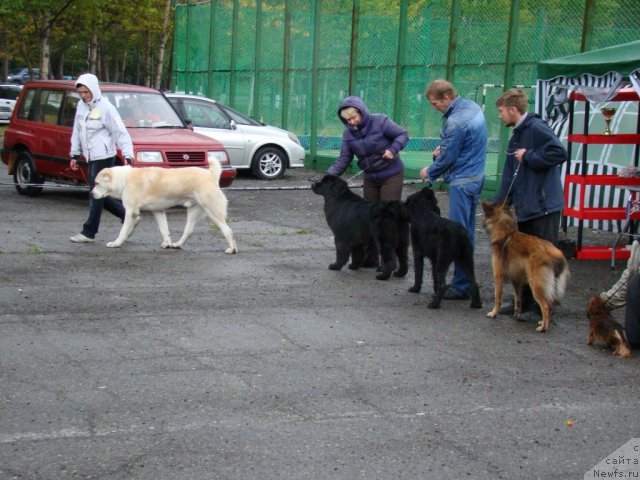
point(390, 189)
point(111, 205)
point(632, 310)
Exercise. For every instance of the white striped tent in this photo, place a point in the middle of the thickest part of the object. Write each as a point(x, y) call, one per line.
point(598, 75)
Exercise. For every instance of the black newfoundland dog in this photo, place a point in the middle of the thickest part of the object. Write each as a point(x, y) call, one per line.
point(442, 241)
point(357, 225)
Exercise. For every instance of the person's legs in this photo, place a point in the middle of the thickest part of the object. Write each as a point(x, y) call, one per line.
point(391, 189)
point(463, 201)
point(632, 311)
point(114, 206)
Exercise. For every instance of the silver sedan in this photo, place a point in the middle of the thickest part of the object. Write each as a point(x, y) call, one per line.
point(267, 151)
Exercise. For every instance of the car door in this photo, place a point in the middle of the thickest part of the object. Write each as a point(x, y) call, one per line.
point(208, 119)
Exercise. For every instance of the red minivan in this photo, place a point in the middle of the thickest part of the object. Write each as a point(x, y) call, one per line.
point(38, 139)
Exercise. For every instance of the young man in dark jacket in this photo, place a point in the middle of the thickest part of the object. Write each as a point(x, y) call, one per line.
point(531, 176)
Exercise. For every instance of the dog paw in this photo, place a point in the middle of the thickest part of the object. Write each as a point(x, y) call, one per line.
point(400, 273)
point(335, 266)
point(113, 244)
point(231, 251)
point(383, 276)
point(354, 266)
point(493, 313)
point(414, 289)
point(433, 305)
point(541, 329)
point(166, 245)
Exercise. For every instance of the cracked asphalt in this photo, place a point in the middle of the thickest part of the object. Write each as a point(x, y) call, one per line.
point(144, 363)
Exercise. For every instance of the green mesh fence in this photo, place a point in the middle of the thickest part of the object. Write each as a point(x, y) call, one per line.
point(260, 57)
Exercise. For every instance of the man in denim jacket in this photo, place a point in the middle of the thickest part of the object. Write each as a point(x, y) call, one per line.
point(460, 160)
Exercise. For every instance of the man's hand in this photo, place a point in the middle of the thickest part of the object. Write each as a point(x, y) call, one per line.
point(128, 160)
point(424, 174)
point(388, 155)
point(73, 164)
point(519, 154)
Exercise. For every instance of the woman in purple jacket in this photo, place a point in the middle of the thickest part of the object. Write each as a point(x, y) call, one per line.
point(376, 141)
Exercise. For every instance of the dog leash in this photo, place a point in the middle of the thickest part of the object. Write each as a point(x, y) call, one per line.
point(515, 174)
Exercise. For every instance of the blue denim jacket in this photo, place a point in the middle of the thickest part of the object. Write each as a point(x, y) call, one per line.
point(463, 144)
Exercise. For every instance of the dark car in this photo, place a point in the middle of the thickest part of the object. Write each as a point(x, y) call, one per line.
point(37, 141)
point(23, 75)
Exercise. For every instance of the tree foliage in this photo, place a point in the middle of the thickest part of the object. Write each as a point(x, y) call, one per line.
point(118, 40)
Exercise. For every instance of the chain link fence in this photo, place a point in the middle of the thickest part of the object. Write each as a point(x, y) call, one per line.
point(289, 63)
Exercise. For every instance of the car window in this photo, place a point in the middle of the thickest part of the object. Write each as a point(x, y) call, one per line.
point(9, 93)
point(205, 115)
point(50, 101)
point(239, 118)
point(144, 110)
point(69, 108)
point(27, 110)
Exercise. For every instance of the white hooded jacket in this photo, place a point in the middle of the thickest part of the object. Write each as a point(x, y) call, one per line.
point(98, 128)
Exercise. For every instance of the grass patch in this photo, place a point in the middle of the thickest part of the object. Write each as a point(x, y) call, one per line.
point(32, 249)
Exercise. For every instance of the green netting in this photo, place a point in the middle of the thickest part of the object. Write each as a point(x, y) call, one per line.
point(261, 57)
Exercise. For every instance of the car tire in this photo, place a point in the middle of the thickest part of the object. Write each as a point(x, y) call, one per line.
point(269, 163)
point(25, 176)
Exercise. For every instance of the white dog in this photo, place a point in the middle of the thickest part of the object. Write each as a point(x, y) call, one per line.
point(156, 189)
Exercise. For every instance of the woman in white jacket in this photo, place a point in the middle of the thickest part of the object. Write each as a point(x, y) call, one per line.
point(97, 132)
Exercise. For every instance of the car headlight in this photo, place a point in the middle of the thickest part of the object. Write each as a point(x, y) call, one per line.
point(149, 157)
point(219, 155)
point(294, 138)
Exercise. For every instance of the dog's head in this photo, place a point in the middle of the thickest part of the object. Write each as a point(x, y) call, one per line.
point(498, 217)
point(424, 200)
point(330, 186)
point(596, 307)
point(110, 182)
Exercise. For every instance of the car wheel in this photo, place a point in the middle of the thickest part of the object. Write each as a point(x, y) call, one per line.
point(269, 163)
point(25, 177)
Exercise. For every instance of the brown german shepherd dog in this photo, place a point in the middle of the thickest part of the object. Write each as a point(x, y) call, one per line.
point(604, 328)
point(522, 259)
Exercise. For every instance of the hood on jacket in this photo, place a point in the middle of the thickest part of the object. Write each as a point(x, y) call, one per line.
point(90, 81)
point(357, 103)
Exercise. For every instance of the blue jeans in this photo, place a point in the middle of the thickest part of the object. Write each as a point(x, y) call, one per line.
point(111, 205)
point(463, 201)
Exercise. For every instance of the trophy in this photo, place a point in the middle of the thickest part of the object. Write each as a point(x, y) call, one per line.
point(608, 114)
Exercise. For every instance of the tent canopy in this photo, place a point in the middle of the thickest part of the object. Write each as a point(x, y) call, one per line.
point(598, 74)
point(623, 59)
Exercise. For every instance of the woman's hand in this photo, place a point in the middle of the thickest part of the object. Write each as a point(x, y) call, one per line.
point(388, 155)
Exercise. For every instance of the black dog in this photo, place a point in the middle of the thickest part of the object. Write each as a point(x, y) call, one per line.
point(390, 226)
point(350, 218)
point(442, 241)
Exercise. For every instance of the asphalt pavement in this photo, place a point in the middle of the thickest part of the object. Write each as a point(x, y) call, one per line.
point(144, 363)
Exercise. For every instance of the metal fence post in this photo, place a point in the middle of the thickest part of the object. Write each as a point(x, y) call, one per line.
point(315, 64)
point(401, 61)
point(286, 64)
point(456, 9)
point(512, 41)
point(212, 30)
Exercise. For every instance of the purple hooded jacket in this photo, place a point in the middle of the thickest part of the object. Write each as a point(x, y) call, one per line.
point(368, 142)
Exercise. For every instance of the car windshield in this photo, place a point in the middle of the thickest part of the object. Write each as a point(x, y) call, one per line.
point(144, 110)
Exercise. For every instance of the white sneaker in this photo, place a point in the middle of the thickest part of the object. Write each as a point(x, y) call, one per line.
point(80, 238)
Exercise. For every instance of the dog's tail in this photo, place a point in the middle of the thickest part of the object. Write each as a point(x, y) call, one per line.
point(215, 168)
point(557, 282)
